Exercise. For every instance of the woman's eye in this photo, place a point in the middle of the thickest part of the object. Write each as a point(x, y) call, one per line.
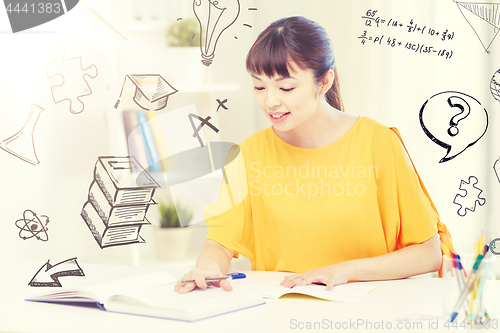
point(287, 89)
point(259, 88)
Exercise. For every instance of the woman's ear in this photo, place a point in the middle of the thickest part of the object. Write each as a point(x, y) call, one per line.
point(326, 81)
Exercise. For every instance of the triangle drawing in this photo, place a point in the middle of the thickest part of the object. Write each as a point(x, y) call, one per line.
point(484, 19)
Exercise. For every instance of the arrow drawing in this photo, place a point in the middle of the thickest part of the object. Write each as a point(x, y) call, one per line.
point(47, 275)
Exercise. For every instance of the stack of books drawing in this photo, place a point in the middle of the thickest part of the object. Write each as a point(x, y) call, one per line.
point(118, 199)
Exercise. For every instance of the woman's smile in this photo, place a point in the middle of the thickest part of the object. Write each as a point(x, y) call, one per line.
point(278, 117)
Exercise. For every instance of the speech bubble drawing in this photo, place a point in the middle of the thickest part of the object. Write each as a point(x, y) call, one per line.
point(454, 121)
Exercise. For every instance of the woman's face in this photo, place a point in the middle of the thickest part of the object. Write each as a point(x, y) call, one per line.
point(287, 101)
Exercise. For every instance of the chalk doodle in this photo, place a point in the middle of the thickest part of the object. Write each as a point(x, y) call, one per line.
point(151, 91)
point(33, 226)
point(48, 275)
point(470, 198)
point(496, 168)
point(74, 85)
point(484, 19)
point(107, 29)
point(196, 129)
point(221, 104)
point(495, 85)
point(393, 39)
point(22, 144)
point(454, 121)
point(214, 17)
point(118, 200)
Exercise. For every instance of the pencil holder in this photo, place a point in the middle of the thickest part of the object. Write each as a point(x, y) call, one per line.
point(470, 292)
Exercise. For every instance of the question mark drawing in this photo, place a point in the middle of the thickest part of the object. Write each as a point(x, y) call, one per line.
point(440, 116)
point(457, 102)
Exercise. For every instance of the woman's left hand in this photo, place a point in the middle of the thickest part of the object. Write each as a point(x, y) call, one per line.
point(330, 275)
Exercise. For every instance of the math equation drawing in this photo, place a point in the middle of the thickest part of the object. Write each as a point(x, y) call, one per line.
point(454, 121)
point(196, 129)
point(469, 197)
point(74, 85)
point(48, 275)
point(33, 226)
point(484, 19)
point(118, 200)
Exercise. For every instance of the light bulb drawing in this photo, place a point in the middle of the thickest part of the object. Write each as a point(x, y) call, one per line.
point(214, 17)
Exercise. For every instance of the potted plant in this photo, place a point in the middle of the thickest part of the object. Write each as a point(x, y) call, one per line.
point(169, 215)
point(172, 240)
point(183, 52)
point(184, 33)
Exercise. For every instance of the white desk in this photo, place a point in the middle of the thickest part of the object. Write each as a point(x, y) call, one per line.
point(390, 301)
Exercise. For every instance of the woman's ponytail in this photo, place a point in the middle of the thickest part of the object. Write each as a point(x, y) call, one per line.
point(333, 94)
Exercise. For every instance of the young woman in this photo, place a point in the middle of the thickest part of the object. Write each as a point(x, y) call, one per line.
point(321, 193)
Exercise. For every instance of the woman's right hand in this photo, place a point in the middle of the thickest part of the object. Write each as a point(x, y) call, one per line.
point(199, 275)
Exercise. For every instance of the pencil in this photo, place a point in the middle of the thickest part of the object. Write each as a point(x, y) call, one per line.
point(478, 266)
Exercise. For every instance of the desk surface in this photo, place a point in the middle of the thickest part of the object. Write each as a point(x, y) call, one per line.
point(389, 302)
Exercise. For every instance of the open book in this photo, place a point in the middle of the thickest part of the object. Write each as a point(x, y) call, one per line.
point(349, 293)
point(153, 295)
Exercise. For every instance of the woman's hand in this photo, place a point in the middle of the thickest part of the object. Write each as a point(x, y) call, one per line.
point(410, 260)
point(199, 275)
point(330, 275)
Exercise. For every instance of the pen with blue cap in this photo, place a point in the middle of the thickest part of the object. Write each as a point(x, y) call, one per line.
point(230, 276)
point(461, 271)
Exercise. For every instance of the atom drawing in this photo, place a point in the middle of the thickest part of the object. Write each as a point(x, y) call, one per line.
point(32, 226)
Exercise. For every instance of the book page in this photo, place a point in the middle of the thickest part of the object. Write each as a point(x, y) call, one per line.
point(123, 286)
point(351, 292)
point(164, 296)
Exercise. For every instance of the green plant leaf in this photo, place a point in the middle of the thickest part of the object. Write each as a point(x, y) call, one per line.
point(185, 32)
point(169, 215)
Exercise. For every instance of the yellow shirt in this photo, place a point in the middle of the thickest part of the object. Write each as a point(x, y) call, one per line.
point(294, 209)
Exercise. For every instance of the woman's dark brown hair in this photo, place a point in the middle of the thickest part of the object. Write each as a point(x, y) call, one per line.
point(295, 40)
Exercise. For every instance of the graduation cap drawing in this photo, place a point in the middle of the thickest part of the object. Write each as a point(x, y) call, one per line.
point(151, 91)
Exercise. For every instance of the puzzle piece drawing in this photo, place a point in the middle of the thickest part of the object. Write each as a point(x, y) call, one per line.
point(471, 196)
point(74, 84)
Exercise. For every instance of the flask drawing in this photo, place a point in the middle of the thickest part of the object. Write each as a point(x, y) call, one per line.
point(22, 144)
point(214, 17)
